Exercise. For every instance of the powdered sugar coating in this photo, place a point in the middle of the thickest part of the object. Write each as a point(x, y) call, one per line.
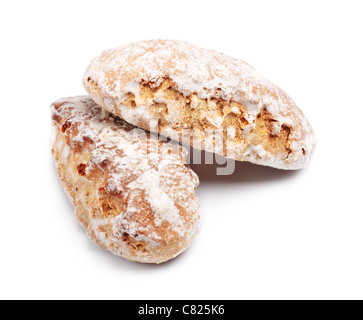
point(202, 73)
point(131, 190)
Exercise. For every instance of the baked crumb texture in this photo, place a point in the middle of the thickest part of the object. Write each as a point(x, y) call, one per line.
point(203, 98)
point(132, 192)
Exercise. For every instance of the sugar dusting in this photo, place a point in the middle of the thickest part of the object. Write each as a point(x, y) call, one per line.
point(149, 173)
point(207, 74)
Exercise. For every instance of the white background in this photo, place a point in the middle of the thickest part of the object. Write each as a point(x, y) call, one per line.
point(268, 234)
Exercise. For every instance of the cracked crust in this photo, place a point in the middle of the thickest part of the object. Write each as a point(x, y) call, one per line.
point(132, 192)
point(203, 98)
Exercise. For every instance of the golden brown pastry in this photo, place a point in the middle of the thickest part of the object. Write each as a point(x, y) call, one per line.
point(204, 98)
point(132, 192)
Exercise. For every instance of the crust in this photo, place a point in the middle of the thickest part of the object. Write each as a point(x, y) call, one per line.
point(133, 193)
point(203, 98)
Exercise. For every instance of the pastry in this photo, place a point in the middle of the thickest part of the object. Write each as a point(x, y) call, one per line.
point(132, 192)
point(203, 98)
